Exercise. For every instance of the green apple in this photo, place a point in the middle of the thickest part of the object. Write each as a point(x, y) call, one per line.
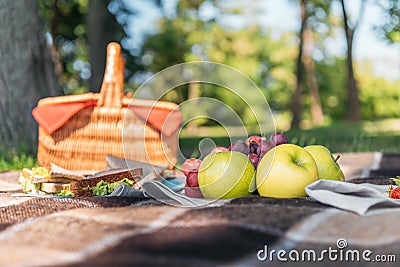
point(328, 168)
point(285, 171)
point(226, 175)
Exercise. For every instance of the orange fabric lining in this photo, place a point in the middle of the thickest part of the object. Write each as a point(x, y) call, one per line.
point(52, 117)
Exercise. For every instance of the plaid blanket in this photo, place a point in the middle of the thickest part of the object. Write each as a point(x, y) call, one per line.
point(105, 231)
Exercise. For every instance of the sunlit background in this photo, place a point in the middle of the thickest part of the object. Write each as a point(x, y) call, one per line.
point(314, 95)
point(278, 17)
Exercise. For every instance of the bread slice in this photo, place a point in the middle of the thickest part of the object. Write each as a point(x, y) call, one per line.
point(80, 188)
point(52, 188)
point(29, 176)
point(38, 179)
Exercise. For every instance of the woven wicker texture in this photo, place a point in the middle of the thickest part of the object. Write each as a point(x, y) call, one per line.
point(83, 142)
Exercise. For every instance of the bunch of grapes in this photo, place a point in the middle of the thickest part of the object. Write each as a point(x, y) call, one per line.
point(255, 147)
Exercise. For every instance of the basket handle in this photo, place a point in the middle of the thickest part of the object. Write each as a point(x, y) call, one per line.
point(111, 92)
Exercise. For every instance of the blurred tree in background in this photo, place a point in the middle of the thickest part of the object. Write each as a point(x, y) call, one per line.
point(80, 29)
point(350, 27)
point(26, 74)
point(65, 30)
point(313, 15)
point(78, 32)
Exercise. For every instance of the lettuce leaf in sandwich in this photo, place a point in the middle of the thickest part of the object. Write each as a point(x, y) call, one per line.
point(105, 188)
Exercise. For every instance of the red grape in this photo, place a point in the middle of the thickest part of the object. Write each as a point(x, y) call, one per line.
point(192, 179)
point(253, 142)
point(254, 158)
point(253, 139)
point(190, 164)
point(239, 146)
point(278, 138)
point(193, 192)
point(219, 149)
point(264, 147)
point(253, 147)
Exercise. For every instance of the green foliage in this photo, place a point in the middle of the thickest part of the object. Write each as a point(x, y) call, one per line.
point(64, 18)
point(166, 48)
point(331, 78)
point(64, 22)
point(391, 24)
point(380, 98)
point(185, 38)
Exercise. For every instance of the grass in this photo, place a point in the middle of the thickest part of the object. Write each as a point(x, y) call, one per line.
point(345, 137)
point(16, 161)
point(383, 136)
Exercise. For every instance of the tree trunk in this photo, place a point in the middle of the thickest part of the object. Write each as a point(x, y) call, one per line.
point(353, 110)
point(296, 102)
point(26, 73)
point(193, 93)
point(316, 107)
point(102, 29)
point(353, 104)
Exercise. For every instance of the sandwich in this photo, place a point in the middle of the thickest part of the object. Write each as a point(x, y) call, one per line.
point(104, 183)
point(61, 182)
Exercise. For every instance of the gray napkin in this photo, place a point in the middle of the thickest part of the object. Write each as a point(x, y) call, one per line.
point(121, 163)
point(162, 193)
point(358, 198)
point(124, 190)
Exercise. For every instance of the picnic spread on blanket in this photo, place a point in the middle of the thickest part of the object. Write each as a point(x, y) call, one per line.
point(108, 168)
point(82, 137)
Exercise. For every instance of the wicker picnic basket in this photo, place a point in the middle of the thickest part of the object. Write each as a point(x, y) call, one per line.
point(108, 128)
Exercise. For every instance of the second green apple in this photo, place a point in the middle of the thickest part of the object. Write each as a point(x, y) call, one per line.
point(285, 171)
point(328, 168)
